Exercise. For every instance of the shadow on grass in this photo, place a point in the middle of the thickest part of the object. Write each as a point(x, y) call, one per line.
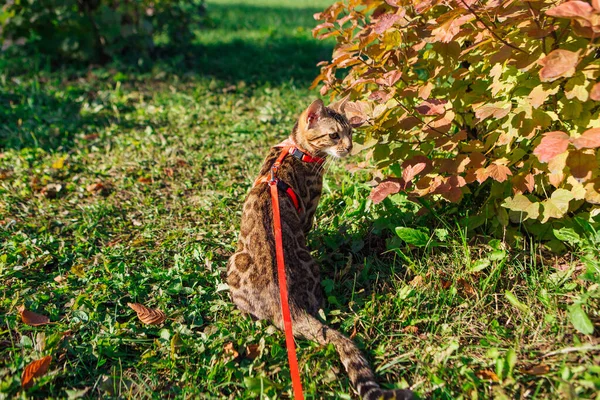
point(257, 45)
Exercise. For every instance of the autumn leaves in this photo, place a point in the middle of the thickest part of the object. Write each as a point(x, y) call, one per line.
point(501, 93)
point(39, 367)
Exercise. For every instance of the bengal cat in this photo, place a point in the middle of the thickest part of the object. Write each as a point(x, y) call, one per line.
point(252, 273)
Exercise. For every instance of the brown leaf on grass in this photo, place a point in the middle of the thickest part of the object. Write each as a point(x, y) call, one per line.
point(169, 172)
point(540, 369)
point(229, 349)
point(557, 64)
point(51, 190)
point(252, 351)
point(144, 180)
point(99, 187)
point(487, 374)
point(466, 287)
point(552, 144)
point(35, 369)
point(411, 329)
point(417, 281)
point(31, 318)
point(149, 316)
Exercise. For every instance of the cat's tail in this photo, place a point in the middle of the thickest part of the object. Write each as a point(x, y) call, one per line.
point(361, 376)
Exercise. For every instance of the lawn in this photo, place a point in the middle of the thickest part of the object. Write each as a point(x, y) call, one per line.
point(121, 184)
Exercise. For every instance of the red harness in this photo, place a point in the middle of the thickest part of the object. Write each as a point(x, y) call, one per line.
point(276, 184)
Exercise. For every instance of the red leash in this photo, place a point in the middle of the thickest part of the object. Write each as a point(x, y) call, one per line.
point(275, 184)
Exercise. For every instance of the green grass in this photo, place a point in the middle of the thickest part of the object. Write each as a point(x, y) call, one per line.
point(152, 166)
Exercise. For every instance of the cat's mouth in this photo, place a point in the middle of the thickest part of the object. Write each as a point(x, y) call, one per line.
point(337, 153)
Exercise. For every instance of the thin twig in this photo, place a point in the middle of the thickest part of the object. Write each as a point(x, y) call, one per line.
point(572, 350)
point(490, 29)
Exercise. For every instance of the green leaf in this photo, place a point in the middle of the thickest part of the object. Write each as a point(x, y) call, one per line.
point(480, 265)
point(566, 235)
point(511, 360)
point(412, 236)
point(512, 299)
point(259, 385)
point(580, 320)
point(497, 255)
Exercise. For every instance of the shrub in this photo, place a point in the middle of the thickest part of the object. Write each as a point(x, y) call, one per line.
point(493, 103)
point(95, 30)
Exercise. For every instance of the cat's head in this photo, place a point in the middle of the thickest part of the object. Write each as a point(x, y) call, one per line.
point(324, 130)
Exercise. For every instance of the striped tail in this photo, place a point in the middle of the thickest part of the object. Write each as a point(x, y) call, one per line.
point(354, 362)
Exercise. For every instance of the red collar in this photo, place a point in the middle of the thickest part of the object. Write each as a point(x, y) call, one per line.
point(299, 153)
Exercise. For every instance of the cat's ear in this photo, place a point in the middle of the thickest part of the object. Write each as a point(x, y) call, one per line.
point(340, 105)
point(314, 112)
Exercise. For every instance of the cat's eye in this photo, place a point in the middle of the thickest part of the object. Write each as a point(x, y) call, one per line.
point(334, 135)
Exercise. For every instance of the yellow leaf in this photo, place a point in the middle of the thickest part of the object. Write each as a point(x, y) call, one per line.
point(58, 164)
point(557, 205)
point(78, 270)
point(576, 188)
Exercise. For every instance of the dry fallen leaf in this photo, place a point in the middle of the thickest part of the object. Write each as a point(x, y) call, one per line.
point(31, 318)
point(229, 349)
point(144, 180)
point(466, 287)
point(539, 369)
point(252, 351)
point(411, 329)
point(35, 369)
point(487, 374)
point(148, 316)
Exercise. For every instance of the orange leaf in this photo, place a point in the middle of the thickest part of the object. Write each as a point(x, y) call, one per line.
point(384, 189)
point(553, 144)
point(498, 110)
point(589, 140)
point(412, 170)
point(411, 329)
point(144, 180)
point(148, 316)
point(595, 92)
point(432, 107)
point(35, 369)
point(498, 172)
point(385, 22)
point(31, 318)
point(571, 9)
point(557, 64)
point(487, 374)
point(229, 349)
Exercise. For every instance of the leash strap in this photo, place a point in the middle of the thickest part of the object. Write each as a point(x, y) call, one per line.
point(274, 183)
point(283, 294)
